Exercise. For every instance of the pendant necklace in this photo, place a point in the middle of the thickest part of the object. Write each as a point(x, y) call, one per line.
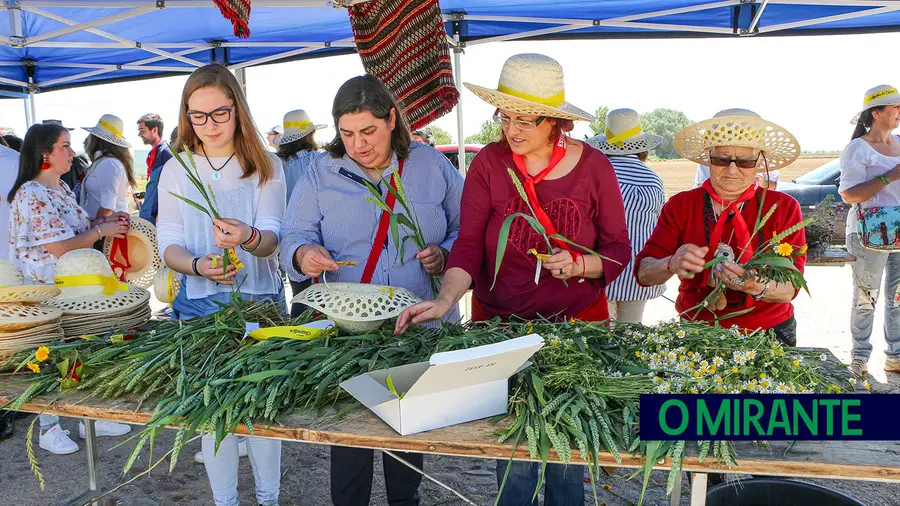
point(217, 175)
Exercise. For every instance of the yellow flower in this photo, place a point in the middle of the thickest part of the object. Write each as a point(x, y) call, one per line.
point(34, 367)
point(719, 390)
point(42, 353)
point(734, 370)
point(606, 486)
point(796, 363)
point(762, 376)
point(803, 249)
point(784, 249)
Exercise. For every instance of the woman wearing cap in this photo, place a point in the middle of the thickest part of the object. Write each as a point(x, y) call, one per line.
point(296, 148)
point(735, 145)
point(45, 222)
point(870, 165)
point(627, 147)
point(248, 182)
point(573, 188)
point(109, 181)
point(330, 219)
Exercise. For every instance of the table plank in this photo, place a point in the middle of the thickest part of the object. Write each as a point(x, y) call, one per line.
point(831, 255)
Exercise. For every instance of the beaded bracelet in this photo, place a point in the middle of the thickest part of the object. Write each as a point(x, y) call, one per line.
point(194, 266)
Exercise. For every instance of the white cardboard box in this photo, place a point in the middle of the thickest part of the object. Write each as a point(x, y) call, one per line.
point(451, 388)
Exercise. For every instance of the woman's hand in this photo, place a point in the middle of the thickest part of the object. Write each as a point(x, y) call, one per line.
point(732, 274)
point(205, 266)
point(113, 229)
point(561, 265)
point(314, 260)
point(231, 233)
point(432, 259)
point(422, 312)
point(687, 261)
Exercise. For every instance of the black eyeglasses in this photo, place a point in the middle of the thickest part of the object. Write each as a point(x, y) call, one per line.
point(220, 115)
point(741, 163)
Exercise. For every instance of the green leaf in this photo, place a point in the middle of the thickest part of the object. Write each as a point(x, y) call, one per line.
point(503, 238)
point(772, 261)
point(390, 384)
point(192, 204)
point(255, 377)
point(589, 250)
point(63, 368)
point(378, 203)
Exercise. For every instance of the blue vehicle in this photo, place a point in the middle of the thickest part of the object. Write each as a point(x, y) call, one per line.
point(813, 187)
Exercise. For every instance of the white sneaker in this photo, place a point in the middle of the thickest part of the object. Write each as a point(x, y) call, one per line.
point(102, 428)
point(56, 440)
point(242, 451)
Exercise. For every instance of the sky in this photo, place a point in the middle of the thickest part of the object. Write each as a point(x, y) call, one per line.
point(811, 86)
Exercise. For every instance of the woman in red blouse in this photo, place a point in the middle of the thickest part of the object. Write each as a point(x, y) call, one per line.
point(573, 190)
point(721, 215)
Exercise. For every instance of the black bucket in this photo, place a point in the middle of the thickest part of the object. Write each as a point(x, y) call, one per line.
point(775, 492)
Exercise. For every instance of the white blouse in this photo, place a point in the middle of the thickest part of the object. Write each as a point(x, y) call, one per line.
point(105, 185)
point(242, 199)
point(860, 163)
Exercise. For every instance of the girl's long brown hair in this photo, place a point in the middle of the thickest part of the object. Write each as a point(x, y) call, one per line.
point(249, 149)
point(97, 148)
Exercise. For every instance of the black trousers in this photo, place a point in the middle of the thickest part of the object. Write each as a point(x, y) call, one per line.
point(351, 477)
point(297, 287)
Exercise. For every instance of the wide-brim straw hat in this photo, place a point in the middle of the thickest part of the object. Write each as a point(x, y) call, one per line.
point(143, 253)
point(740, 128)
point(13, 289)
point(297, 125)
point(111, 129)
point(14, 342)
point(166, 285)
point(357, 307)
point(88, 285)
point(19, 317)
point(80, 325)
point(624, 134)
point(531, 84)
point(878, 96)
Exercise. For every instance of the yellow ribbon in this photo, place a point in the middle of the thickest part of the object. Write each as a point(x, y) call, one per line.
point(553, 101)
point(170, 285)
point(110, 284)
point(111, 128)
point(619, 140)
point(298, 333)
point(298, 124)
point(879, 94)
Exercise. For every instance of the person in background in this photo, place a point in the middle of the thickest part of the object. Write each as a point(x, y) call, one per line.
point(150, 130)
point(173, 138)
point(870, 168)
point(424, 136)
point(272, 135)
point(13, 142)
point(9, 169)
point(296, 148)
point(627, 147)
point(4, 131)
point(109, 181)
point(45, 223)
point(216, 125)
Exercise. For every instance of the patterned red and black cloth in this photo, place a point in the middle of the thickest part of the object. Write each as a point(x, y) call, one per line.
point(238, 12)
point(403, 43)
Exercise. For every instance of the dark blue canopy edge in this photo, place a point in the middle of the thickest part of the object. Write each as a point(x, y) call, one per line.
point(53, 44)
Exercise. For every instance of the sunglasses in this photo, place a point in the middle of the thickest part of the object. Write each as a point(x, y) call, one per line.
point(741, 163)
point(521, 124)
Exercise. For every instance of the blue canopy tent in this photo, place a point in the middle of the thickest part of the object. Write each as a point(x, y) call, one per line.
point(53, 44)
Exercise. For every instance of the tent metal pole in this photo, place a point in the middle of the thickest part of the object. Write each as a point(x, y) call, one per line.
point(460, 135)
point(241, 75)
point(28, 120)
point(32, 106)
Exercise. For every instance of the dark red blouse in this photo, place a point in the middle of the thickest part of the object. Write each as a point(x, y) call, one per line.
point(584, 205)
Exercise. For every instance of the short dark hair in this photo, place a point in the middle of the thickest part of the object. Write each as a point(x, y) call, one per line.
point(13, 142)
point(367, 93)
point(153, 121)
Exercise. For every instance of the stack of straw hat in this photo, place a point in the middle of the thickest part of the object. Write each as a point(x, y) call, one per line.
point(24, 321)
point(92, 299)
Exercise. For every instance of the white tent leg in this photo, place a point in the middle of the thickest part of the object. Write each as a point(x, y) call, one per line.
point(28, 119)
point(32, 106)
point(457, 63)
point(241, 75)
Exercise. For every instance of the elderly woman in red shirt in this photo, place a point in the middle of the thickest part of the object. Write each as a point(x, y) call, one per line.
point(720, 216)
point(573, 190)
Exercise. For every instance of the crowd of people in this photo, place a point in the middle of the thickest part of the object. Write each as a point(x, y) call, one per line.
point(301, 210)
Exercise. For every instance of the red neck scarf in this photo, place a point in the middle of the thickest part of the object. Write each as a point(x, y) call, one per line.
point(559, 152)
point(151, 159)
point(744, 248)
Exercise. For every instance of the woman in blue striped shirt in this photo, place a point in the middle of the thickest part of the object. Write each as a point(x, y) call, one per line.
point(627, 146)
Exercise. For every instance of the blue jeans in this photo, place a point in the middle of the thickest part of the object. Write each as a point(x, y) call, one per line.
point(868, 270)
point(265, 454)
point(564, 484)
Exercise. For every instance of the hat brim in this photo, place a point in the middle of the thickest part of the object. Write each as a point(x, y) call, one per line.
point(107, 136)
point(121, 301)
point(512, 103)
point(779, 146)
point(632, 146)
point(146, 232)
point(296, 136)
point(28, 294)
point(881, 102)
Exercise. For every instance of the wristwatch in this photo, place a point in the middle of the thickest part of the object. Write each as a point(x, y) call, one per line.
point(762, 294)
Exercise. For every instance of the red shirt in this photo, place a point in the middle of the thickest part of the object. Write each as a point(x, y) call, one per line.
point(584, 205)
point(681, 222)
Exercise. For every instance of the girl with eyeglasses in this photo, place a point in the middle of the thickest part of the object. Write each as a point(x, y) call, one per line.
point(719, 218)
point(248, 183)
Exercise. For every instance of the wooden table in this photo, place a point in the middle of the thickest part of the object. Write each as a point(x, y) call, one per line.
point(832, 255)
point(872, 461)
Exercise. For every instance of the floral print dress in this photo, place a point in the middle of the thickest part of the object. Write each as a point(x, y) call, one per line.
point(41, 216)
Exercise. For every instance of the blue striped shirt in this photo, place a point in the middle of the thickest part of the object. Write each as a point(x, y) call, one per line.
point(295, 167)
point(330, 209)
point(642, 193)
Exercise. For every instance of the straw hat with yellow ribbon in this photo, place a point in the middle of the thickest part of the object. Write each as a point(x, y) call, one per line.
point(739, 128)
point(111, 129)
point(624, 134)
point(531, 84)
point(297, 125)
point(137, 255)
point(878, 96)
point(14, 289)
point(89, 286)
point(166, 285)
